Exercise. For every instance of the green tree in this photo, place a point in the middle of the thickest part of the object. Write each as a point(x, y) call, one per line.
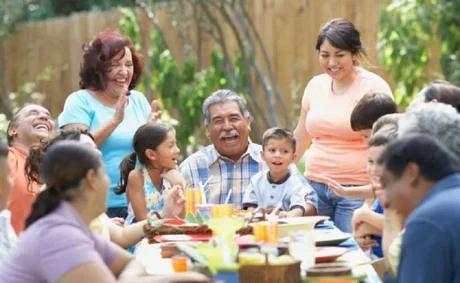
point(409, 30)
point(43, 9)
point(181, 91)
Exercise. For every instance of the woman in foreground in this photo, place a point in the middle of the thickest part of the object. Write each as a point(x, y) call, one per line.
point(57, 245)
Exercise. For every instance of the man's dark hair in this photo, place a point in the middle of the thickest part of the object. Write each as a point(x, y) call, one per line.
point(370, 108)
point(277, 133)
point(444, 92)
point(433, 158)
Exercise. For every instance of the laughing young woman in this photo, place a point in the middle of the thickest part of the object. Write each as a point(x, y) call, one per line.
point(336, 151)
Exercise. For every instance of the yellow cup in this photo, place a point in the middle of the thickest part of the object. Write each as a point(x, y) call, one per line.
point(193, 197)
point(222, 210)
point(267, 232)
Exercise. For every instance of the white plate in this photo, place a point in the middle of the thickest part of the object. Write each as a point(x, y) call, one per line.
point(303, 220)
point(176, 237)
point(330, 237)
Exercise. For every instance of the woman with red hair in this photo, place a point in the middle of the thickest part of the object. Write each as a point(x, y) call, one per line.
point(107, 105)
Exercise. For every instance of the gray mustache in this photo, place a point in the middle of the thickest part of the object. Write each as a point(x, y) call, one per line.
point(226, 134)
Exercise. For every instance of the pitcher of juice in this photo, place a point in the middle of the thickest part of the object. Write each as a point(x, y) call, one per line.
point(193, 197)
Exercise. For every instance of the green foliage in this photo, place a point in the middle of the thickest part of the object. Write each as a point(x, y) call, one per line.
point(449, 34)
point(181, 90)
point(11, 12)
point(3, 125)
point(409, 29)
point(44, 9)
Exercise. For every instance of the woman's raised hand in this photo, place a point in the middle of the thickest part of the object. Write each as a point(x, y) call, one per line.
point(154, 115)
point(121, 105)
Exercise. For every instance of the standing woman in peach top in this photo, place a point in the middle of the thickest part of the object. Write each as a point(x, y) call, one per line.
point(336, 151)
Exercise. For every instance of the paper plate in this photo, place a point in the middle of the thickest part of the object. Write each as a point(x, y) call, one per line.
point(183, 238)
point(329, 254)
point(330, 237)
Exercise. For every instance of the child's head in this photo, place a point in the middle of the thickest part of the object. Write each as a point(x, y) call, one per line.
point(386, 123)
point(278, 149)
point(376, 146)
point(6, 183)
point(369, 109)
point(34, 161)
point(155, 146)
point(438, 91)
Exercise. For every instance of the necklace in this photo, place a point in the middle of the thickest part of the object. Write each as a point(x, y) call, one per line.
point(109, 97)
point(340, 92)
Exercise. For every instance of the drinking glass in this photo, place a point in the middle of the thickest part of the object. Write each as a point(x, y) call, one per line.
point(267, 232)
point(222, 210)
point(302, 247)
point(193, 197)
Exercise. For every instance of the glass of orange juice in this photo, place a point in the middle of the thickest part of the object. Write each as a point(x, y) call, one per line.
point(259, 232)
point(267, 232)
point(179, 264)
point(222, 210)
point(193, 197)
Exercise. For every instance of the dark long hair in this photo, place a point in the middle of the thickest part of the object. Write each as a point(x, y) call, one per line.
point(148, 136)
point(342, 34)
point(35, 159)
point(65, 165)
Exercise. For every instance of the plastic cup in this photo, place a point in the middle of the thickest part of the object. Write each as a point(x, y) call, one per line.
point(222, 210)
point(179, 264)
point(267, 232)
point(193, 197)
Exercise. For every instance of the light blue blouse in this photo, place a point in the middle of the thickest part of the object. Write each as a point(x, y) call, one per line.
point(81, 107)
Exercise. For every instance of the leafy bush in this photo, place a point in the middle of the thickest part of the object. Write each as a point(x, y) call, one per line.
point(409, 29)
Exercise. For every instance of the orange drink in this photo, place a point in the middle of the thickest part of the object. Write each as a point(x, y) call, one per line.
point(272, 232)
point(179, 264)
point(193, 197)
point(222, 210)
point(267, 232)
point(259, 232)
